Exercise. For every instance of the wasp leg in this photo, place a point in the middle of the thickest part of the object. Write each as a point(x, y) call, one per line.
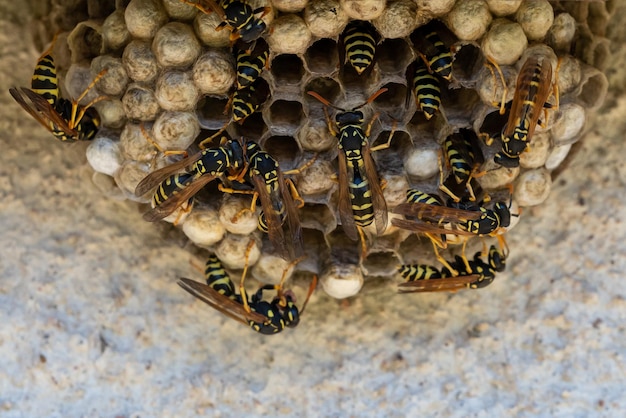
point(183, 211)
point(442, 185)
point(74, 119)
point(205, 141)
point(298, 200)
point(149, 138)
point(468, 268)
point(252, 208)
point(505, 89)
point(386, 144)
point(423, 57)
point(303, 167)
point(242, 289)
point(443, 261)
point(363, 241)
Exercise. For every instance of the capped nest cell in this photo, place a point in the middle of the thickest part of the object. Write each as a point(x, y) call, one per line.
point(172, 76)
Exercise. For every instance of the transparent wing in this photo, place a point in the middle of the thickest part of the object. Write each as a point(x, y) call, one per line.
point(449, 284)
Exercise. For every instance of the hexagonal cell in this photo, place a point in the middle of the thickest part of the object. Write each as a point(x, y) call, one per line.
point(287, 69)
point(322, 57)
point(352, 81)
point(392, 102)
point(210, 111)
point(459, 104)
point(593, 89)
point(390, 158)
point(317, 250)
point(85, 41)
point(393, 56)
point(382, 263)
point(342, 249)
point(285, 116)
point(252, 127)
point(468, 60)
point(284, 149)
point(328, 88)
point(318, 217)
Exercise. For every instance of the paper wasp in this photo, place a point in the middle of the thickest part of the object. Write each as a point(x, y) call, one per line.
point(361, 199)
point(462, 153)
point(532, 91)
point(465, 219)
point(474, 274)
point(357, 45)
point(238, 16)
point(250, 64)
point(264, 317)
point(434, 52)
point(278, 198)
point(175, 189)
point(425, 87)
point(65, 119)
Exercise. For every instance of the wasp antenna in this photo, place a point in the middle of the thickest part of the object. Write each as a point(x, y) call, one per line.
point(312, 287)
point(324, 101)
point(372, 97)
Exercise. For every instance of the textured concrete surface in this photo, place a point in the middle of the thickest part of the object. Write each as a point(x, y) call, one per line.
point(94, 325)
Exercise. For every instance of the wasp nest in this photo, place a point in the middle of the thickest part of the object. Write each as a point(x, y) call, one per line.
point(170, 75)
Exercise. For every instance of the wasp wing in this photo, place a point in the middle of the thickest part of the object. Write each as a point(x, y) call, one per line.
point(272, 217)
point(448, 284)
point(42, 111)
point(345, 203)
point(155, 178)
point(437, 214)
point(378, 199)
point(293, 220)
point(219, 302)
point(427, 228)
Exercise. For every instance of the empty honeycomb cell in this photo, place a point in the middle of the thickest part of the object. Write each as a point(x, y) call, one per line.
point(468, 61)
point(289, 6)
point(593, 88)
point(114, 31)
point(598, 53)
point(232, 250)
point(236, 217)
point(397, 19)
point(325, 18)
point(203, 228)
point(322, 58)
point(391, 103)
point(556, 156)
point(342, 281)
point(285, 117)
point(435, 8)
point(355, 83)
point(497, 177)
point(393, 56)
point(77, 79)
point(569, 122)
point(421, 163)
point(537, 151)
point(561, 34)
point(204, 25)
point(363, 9)
point(287, 70)
point(140, 62)
point(211, 112)
point(85, 41)
point(128, 176)
point(134, 145)
point(214, 72)
point(175, 90)
point(503, 8)
point(533, 187)
point(458, 105)
point(253, 127)
point(316, 179)
point(383, 263)
point(175, 131)
point(290, 35)
point(469, 19)
point(103, 155)
point(535, 17)
point(284, 149)
point(269, 269)
point(144, 17)
point(178, 10)
point(140, 103)
point(115, 80)
point(317, 216)
point(326, 87)
point(175, 45)
point(112, 114)
point(505, 42)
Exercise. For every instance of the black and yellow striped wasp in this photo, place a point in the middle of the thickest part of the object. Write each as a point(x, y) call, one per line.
point(174, 189)
point(278, 196)
point(474, 274)
point(65, 119)
point(436, 54)
point(264, 317)
point(425, 87)
point(465, 218)
point(532, 91)
point(463, 156)
point(238, 16)
point(250, 64)
point(361, 199)
point(357, 45)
